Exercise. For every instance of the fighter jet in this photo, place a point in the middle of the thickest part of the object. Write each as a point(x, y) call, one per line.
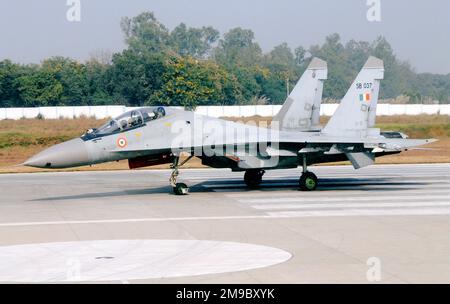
point(158, 135)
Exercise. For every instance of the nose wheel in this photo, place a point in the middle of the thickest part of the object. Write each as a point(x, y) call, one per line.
point(253, 178)
point(178, 188)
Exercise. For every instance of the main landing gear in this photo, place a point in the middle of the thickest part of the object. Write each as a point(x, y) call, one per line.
point(308, 181)
point(178, 188)
point(253, 178)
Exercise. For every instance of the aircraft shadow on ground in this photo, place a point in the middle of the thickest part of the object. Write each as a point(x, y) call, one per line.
point(132, 192)
point(325, 184)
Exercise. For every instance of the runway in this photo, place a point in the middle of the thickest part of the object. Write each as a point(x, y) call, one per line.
point(127, 226)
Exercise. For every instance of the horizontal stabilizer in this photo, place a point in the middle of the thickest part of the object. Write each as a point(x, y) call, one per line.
point(425, 149)
point(404, 144)
point(361, 159)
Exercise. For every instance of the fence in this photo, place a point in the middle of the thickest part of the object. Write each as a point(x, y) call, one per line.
point(101, 112)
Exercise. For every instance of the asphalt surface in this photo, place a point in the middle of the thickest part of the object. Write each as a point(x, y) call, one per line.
point(387, 223)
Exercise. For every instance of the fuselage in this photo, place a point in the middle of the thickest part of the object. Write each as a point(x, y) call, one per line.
point(153, 135)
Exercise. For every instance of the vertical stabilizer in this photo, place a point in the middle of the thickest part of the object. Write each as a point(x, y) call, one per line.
point(356, 113)
point(301, 110)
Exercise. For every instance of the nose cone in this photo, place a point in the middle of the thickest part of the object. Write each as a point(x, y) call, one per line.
point(72, 153)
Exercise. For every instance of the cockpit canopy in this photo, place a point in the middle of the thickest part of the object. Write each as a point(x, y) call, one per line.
point(127, 121)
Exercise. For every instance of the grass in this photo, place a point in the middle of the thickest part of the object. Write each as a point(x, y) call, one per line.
point(21, 139)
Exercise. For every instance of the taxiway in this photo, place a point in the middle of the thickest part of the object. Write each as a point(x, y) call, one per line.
point(128, 226)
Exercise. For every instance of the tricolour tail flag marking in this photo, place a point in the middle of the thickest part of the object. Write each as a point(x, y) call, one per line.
point(356, 113)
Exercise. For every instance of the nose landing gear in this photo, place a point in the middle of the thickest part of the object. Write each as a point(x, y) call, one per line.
point(178, 188)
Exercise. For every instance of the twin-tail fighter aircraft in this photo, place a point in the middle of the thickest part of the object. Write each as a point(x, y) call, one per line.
point(161, 135)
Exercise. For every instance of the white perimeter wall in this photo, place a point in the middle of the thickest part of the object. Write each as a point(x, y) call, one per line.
point(214, 111)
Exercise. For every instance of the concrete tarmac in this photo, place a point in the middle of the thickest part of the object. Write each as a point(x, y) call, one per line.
point(385, 223)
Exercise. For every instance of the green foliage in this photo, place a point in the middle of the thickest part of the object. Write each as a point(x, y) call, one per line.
point(434, 86)
point(192, 41)
point(39, 86)
point(249, 79)
point(98, 82)
point(70, 79)
point(191, 66)
point(135, 77)
point(144, 33)
point(238, 48)
point(341, 69)
point(9, 72)
point(190, 82)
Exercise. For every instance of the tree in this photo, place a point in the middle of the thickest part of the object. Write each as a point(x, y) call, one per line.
point(101, 56)
point(39, 87)
point(399, 76)
point(340, 73)
point(182, 67)
point(300, 54)
point(357, 53)
point(144, 33)
point(282, 55)
point(136, 76)
point(72, 77)
point(250, 80)
point(282, 64)
point(189, 82)
point(238, 48)
point(274, 87)
point(99, 84)
point(194, 42)
point(9, 72)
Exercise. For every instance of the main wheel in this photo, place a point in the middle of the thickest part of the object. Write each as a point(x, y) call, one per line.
point(308, 181)
point(253, 178)
point(181, 189)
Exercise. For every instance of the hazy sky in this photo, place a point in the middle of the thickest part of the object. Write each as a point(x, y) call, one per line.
point(419, 31)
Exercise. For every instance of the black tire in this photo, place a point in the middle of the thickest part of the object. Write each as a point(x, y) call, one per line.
point(308, 181)
point(253, 178)
point(180, 189)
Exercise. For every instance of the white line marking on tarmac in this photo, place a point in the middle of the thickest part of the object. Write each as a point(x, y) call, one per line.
point(360, 212)
point(243, 197)
point(350, 205)
point(269, 215)
point(135, 220)
point(341, 199)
